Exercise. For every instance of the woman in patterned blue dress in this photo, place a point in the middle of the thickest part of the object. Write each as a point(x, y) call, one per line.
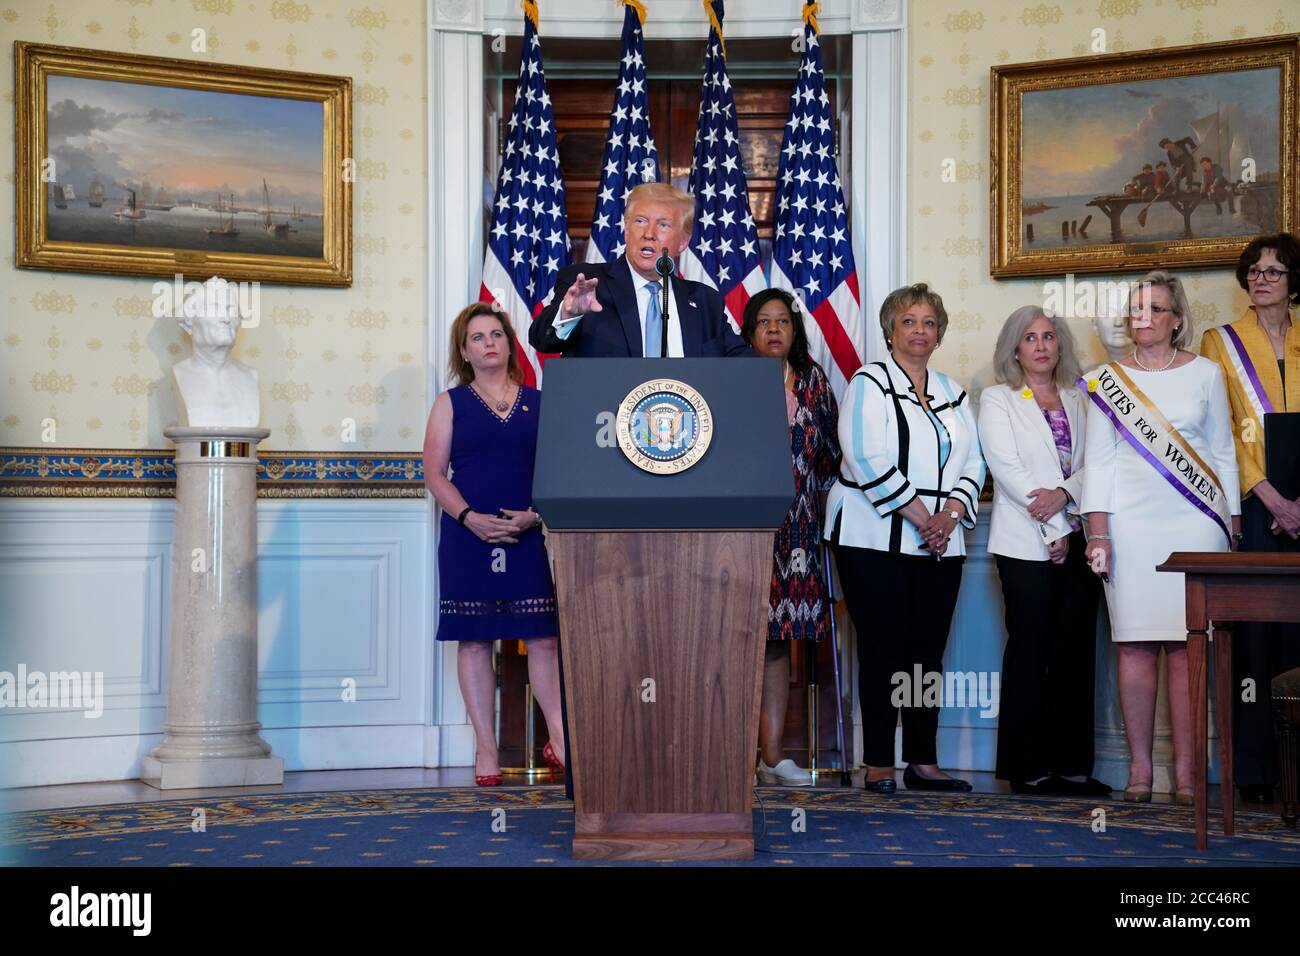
point(798, 609)
point(494, 580)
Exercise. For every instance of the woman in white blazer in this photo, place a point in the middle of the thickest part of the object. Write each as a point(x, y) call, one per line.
point(1031, 428)
point(910, 479)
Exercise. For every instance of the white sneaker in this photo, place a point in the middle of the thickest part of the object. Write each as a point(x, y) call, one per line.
point(785, 774)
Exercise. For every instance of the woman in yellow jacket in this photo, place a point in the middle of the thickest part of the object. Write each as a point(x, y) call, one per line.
point(1260, 358)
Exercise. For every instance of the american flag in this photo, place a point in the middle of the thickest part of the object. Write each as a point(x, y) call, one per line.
point(630, 157)
point(812, 257)
point(724, 243)
point(529, 239)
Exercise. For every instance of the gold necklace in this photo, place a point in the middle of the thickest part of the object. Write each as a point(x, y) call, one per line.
point(501, 404)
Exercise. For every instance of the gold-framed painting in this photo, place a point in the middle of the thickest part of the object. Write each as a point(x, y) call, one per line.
point(153, 166)
point(1168, 158)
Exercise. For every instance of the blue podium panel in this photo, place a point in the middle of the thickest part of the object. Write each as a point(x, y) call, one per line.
point(583, 479)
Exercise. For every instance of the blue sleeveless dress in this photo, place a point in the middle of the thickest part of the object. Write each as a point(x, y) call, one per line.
point(491, 592)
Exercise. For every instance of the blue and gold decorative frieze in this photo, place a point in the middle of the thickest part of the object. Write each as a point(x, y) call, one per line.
point(151, 473)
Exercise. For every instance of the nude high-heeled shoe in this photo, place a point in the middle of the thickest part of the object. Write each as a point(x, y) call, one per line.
point(1139, 792)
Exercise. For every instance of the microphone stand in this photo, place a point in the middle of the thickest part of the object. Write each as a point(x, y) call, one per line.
point(665, 266)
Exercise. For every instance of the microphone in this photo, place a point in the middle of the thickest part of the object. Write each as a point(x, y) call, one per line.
point(664, 265)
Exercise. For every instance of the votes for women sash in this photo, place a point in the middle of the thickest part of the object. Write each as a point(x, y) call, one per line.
point(1245, 371)
point(1140, 422)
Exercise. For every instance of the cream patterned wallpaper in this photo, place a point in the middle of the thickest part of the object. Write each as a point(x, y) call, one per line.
point(85, 351)
point(953, 44)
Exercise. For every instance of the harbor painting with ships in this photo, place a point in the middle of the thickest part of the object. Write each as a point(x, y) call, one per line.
point(1168, 159)
point(145, 165)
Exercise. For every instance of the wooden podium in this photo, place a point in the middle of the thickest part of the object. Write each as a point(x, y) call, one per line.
point(662, 582)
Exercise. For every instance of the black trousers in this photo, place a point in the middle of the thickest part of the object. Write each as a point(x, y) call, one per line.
point(901, 606)
point(1259, 652)
point(1045, 720)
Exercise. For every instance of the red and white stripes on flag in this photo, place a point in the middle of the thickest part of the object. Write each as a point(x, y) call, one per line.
point(529, 239)
point(630, 157)
point(812, 257)
point(724, 243)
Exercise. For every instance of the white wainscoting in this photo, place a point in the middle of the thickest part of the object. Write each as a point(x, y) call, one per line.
point(345, 592)
point(968, 741)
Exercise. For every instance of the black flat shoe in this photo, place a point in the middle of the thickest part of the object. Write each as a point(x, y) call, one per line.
point(886, 786)
point(1081, 788)
point(1048, 785)
point(914, 781)
point(1256, 793)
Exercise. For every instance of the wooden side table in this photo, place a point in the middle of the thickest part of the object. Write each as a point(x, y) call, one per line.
point(1226, 587)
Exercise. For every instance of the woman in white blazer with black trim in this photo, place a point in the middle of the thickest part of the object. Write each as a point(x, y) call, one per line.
point(1031, 429)
point(910, 479)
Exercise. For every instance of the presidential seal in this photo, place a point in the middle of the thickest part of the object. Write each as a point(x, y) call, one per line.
point(664, 426)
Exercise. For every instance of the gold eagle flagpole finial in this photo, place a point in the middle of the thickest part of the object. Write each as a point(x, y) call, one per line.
point(636, 5)
point(810, 15)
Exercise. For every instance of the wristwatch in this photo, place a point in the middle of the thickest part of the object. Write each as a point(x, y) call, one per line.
point(952, 512)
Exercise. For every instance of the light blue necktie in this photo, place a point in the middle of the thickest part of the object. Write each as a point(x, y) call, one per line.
point(654, 323)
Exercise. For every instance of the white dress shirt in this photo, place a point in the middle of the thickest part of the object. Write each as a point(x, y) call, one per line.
point(644, 289)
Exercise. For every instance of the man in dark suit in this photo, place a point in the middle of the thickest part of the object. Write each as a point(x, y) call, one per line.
point(614, 309)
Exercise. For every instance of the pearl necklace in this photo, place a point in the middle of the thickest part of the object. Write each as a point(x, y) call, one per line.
point(1173, 358)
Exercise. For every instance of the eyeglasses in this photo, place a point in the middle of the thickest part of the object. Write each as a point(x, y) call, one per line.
point(1268, 275)
point(781, 323)
point(1135, 311)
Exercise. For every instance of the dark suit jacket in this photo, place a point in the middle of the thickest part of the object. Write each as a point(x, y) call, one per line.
point(615, 332)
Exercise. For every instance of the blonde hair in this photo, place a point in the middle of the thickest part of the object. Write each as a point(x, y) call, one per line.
point(1005, 367)
point(667, 193)
point(1182, 337)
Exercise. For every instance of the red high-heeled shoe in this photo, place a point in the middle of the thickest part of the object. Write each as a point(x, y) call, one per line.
point(552, 761)
point(487, 780)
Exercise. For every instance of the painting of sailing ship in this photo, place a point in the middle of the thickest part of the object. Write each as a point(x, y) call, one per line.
point(231, 170)
point(167, 151)
point(1180, 161)
point(225, 227)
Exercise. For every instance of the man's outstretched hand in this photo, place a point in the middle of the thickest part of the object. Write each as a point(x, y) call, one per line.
point(580, 298)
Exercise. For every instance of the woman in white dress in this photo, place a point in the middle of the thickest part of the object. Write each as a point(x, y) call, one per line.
point(1161, 477)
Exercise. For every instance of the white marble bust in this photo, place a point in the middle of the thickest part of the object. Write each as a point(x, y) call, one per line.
point(1109, 325)
point(212, 389)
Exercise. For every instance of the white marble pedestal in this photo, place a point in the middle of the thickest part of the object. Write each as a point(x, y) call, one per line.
point(211, 732)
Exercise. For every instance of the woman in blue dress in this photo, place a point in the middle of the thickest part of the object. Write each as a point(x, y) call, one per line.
point(494, 580)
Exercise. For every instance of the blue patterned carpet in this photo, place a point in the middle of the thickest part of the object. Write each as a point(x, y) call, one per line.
point(533, 826)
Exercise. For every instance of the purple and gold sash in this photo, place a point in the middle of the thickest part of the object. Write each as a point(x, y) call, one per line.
point(1246, 373)
point(1140, 422)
